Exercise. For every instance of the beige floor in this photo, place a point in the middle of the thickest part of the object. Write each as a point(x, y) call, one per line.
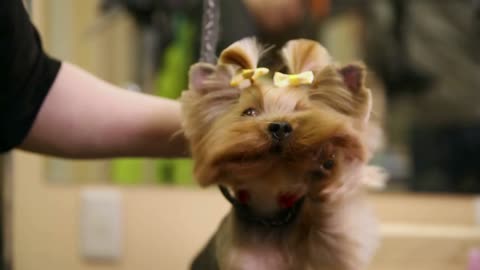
point(165, 227)
point(425, 232)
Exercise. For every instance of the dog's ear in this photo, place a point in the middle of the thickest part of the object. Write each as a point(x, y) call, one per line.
point(302, 55)
point(209, 96)
point(353, 76)
point(204, 78)
point(343, 89)
point(199, 73)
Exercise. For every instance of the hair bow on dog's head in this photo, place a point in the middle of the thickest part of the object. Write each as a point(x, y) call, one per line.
point(249, 75)
point(284, 80)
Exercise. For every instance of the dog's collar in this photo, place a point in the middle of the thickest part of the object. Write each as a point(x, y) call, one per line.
point(244, 212)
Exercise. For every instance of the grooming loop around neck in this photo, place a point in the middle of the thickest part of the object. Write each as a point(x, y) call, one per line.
point(247, 214)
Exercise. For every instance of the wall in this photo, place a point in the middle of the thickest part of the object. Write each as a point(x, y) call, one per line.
point(163, 227)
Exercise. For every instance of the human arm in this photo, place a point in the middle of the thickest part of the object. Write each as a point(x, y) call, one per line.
point(58, 109)
point(85, 117)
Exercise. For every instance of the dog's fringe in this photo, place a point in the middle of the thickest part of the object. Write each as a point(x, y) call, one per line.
point(243, 54)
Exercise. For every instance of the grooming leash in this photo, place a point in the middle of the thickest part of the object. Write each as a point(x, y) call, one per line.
point(210, 30)
point(244, 212)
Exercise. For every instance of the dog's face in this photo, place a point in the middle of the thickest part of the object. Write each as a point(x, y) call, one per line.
point(272, 143)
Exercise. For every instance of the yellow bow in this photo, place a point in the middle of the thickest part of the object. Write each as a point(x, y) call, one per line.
point(284, 80)
point(248, 74)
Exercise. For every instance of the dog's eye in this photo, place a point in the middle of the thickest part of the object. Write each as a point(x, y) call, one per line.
point(249, 112)
point(324, 171)
point(328, 164)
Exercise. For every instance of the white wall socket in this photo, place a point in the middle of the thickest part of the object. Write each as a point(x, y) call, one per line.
point(101, 224)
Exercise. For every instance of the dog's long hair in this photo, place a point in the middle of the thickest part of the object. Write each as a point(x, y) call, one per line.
point(324, 159)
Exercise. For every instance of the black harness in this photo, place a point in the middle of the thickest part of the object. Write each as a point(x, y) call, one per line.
point(246, 213)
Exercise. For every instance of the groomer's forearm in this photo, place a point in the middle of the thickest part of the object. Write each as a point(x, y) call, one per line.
point(84, 117)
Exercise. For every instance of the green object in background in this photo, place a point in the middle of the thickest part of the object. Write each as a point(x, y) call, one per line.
point(127, 171)
point(171, 81)
point(182, 172)
point(173, 74)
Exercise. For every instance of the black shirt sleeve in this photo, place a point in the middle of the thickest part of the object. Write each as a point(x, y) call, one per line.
point(26, 73)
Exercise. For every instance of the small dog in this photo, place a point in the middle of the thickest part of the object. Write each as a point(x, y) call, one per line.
point(289, 153)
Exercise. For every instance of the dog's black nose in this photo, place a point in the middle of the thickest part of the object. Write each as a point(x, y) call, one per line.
point(280, 130)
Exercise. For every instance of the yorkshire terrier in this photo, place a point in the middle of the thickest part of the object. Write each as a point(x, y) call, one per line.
point(289, 152)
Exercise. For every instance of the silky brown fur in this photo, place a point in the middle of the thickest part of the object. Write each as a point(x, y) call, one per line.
point(335, 229)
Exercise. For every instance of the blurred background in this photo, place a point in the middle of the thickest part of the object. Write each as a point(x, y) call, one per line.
point(128, 213)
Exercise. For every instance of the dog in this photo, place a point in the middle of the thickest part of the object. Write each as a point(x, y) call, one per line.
point(290, 153)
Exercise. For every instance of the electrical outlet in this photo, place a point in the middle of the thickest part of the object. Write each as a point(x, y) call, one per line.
point(101, 219)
